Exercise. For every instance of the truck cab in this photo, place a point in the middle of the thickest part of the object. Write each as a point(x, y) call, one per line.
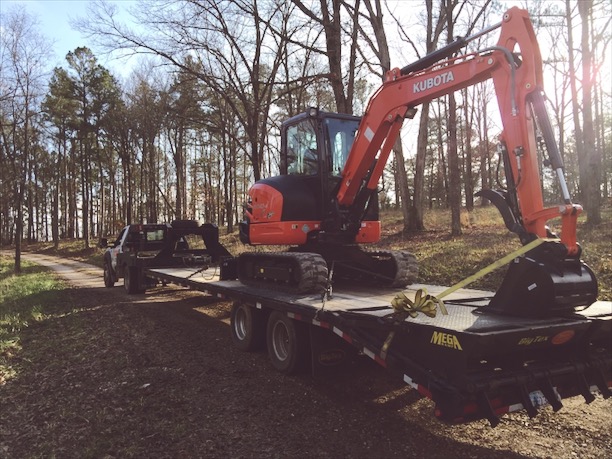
point(142, 241)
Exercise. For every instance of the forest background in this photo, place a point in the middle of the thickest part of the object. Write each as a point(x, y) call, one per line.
point(197, 120)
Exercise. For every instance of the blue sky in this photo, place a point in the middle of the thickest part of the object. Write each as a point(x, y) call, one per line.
point(54, 17)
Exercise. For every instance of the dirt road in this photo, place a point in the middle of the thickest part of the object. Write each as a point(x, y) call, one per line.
point(155, 375)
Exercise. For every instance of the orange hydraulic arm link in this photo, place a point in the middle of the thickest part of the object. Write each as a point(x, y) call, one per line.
point(518, 85)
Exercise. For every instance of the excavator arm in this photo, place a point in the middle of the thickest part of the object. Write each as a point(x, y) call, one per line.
point(547, 280)
point(515, 67)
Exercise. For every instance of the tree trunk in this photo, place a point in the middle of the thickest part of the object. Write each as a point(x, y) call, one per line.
point(454, 174)
point(593, 155)
point(419, 173)
point(576, 106)
point(19, 228)
point(401, 177)
point(467, 169)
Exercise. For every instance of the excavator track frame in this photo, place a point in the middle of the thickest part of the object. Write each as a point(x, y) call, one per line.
point(292, 272)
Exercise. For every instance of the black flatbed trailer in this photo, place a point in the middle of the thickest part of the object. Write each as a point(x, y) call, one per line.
point(473, 363)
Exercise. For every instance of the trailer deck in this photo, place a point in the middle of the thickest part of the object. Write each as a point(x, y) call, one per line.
point(473, 363)
point(465, 313)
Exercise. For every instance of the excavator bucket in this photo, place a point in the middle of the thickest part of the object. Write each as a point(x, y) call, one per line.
point(542, 284)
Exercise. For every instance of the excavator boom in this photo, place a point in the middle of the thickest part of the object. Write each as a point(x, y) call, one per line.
point(515, 67)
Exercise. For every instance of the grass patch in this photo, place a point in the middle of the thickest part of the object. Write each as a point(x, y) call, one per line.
point(24, 299)
point(446, 260)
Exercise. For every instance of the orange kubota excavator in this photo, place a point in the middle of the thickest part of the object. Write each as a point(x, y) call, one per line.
point(324, 203)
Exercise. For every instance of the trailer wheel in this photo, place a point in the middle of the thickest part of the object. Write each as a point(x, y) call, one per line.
point(288, 343)
point(248, 327)
point(109, 277)
point(131, 281)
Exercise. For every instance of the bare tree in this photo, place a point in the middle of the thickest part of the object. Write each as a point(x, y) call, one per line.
point(23, 56)
point(433, 33)
point(380, 48)
point(593, 155)
point(328, 16)
point(235, 43)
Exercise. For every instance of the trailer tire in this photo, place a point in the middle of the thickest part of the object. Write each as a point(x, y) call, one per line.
point(131, 281)
point(247, 326)
point(109, 276)
point(288, 343)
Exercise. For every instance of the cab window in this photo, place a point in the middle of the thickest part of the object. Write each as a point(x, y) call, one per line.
point(154, 235)
point(302, 149)
point(341, 137)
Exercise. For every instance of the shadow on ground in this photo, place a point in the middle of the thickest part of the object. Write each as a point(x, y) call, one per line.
point(110, 375)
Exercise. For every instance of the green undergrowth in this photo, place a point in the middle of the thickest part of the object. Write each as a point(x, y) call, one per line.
point(446, 260)
point(25, 299)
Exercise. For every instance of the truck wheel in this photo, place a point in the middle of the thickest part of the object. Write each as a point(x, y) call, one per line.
point(248, 327)
point(288, 343)
point(109, 277)
point(131, 281)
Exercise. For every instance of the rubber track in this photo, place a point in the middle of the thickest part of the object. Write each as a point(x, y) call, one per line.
point(407, 268)
point(387, 269)
point(311, 272)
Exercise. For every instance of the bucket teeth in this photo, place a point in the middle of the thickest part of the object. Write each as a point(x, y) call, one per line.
point(601, 383)
point(584, 387)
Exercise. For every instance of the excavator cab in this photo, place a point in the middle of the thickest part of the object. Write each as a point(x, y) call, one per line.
point(310, 135)
point(314, 149)
point(298, 206)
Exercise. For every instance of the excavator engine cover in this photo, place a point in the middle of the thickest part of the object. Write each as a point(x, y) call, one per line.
point(535, 288)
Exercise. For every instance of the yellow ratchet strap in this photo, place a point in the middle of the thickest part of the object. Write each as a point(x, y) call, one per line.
point(428, 304)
